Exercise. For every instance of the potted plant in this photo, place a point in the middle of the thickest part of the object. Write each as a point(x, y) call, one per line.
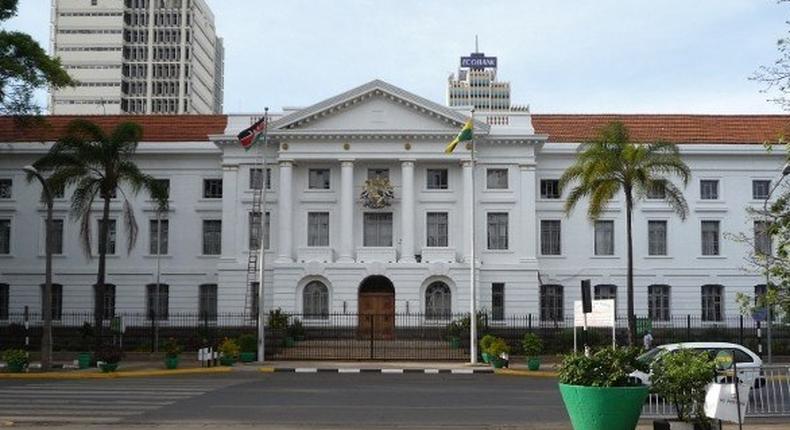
point(496, 349)
point(682, 378)
point(15, 360)
point(85, 357)
point(598, 392)
point(278, 324)
point(485, 342)
point(296, 330)
point(532, 346)
point(108, 358)
point(229, 352)
point(454, 332)
point(248, 345)
point(172, 353)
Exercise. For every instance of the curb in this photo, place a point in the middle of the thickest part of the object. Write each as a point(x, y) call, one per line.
point(373, 370)
point(114, 375)
point(528, 373)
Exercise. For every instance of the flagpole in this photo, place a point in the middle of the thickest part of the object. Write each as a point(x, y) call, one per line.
point(261, 245)
point(473, 283)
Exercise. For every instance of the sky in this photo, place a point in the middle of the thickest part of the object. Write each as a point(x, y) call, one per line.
point(561, 56)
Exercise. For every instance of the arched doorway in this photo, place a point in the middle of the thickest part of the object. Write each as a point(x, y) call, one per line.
point(376, 309)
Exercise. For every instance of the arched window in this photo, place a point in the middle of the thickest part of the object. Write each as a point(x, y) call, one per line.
point(315, 301)
point(551, 303)
point(438, 301)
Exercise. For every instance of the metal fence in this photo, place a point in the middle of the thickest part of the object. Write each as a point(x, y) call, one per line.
point(769, 395)
point(382, 337)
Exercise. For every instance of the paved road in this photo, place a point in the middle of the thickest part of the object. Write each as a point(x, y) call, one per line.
point(293, 401)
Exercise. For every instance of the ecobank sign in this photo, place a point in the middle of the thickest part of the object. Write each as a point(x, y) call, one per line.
point(478, 62)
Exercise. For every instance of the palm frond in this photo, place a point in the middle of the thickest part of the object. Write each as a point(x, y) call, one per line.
point(674, 197)
point(130, 225)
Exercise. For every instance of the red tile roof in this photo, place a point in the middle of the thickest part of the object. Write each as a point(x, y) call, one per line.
point(674, 128)
point(156, 128)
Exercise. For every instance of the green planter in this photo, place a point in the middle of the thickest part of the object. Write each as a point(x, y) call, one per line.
point(533, 363)
point(109, 367)
point(497, 362)
point(84, 360)
point(15, 367)
point(486, 358)
point(227, 361)
point(171, 362)
point(455, 342)
point(603, 408)
point(247, 357)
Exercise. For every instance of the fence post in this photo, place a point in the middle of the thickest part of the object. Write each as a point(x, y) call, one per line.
point(529, 322)
point(740, 330)
point(688, 328)
point(153, 330)
point(27, 329)
point(372, 321)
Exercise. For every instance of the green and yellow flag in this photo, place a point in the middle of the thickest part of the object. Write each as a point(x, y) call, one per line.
point(464, 135)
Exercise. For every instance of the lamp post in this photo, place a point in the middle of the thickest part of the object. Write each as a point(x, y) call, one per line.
point(46, 336)
point(769, 306)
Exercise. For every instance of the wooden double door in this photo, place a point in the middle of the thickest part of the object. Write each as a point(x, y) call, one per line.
point(376, 316)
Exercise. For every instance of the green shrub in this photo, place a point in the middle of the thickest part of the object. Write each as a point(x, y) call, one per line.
point(485, 342)
point(172, 348)
point(682, 377)
point(607, 367)
point(16, 357)
point(248, 343)
point(278, 320)
point(454, 329)
point(497, 347)
point(532, 345)
point(229, 348)
point(296, 329)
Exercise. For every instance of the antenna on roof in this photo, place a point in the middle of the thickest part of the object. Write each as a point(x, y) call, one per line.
point(476, 48)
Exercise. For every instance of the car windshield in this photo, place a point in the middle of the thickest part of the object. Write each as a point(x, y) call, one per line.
point(650, 356)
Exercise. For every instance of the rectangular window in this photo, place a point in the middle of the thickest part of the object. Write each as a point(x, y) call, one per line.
point(497, 230)
point(436, 229)
point(378, 173)
point(712, 296)
point(212, 237)
point(257, 179)
point(763, 243)
point(318, 179)
point(165, 184)
point(550, 237)
point(656, 237)
point(4, 306)
point(436, 179)
point(57, 301)
point(57, 236)
point(163, 302)
point(710, 237)
point(212, 188)
point(658, 302)
point(760, 189)
point(109, 300)
point(498, 301)
point(254, 230)
point(496, 179)
point(604, 237)
point(6, 188)
point(153, 241)
point(5, 236)
point(709, 189)
point(318, 229)
point(657, 191)
point(550, 189)
point(207, 306)
point(377, 229)
point(551, 303)
point(110, 244)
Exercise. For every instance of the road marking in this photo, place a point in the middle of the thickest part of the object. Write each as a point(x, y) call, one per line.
point(306, 370)
point(391, 370)
point(462, 371)
point(432, 371)
point(61, 419)
point(348, 370)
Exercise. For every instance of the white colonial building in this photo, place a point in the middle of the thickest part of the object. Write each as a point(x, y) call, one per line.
point(326, 252)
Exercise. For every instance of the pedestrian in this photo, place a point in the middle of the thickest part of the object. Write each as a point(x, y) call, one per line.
point(647, 341)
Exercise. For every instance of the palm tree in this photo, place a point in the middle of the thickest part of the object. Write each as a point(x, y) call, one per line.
point(612, 162)
point(96, 164)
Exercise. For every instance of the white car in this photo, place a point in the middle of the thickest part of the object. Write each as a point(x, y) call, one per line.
point(748, 363)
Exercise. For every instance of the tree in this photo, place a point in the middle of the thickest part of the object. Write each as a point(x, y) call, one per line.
point(97, 164)
point(24, 67)
point(611, 163)
point(776, 76)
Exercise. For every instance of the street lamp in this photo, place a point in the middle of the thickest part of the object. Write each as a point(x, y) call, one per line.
point(769, 306)
point(46, 336)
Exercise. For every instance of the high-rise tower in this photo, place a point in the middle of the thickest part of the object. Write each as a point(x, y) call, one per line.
point(137, 57)
point(476, 84)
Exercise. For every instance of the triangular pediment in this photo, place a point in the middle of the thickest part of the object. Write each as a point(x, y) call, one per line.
point(374, 107)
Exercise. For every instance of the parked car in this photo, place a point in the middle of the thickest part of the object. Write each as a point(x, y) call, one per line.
point(749, 364)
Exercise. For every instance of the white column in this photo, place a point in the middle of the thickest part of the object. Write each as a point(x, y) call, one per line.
point(466, 224)
point(285, 213)
point(230, 215)
point(407, 212)
point(528, 218)
point(346, 251)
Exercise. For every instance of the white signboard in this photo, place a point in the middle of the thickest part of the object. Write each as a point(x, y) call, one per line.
point(602, 314)
point(720, 401)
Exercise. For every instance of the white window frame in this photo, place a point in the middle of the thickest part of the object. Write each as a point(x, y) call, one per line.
point(596, 224)
point(428, 214)
point(310, 188)
point(540, 233)
point(666, 238)
point(328, 232)
point(507, 230)
point(489, 170)
point(718, 189)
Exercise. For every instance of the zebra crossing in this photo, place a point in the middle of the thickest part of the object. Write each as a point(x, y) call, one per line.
point(96, 402)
